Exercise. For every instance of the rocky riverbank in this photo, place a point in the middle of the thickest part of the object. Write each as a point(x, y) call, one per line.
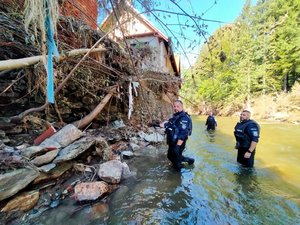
point(85, 166)
point(283, 107)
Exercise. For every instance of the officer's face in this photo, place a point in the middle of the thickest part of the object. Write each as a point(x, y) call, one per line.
point(177, 107)
point(244, 116)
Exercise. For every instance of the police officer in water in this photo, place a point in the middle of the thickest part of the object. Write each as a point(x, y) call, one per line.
point(246, 133)
point(211, 122)
point(178, 128)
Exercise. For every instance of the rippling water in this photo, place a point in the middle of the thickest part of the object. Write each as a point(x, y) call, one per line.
point(215, 190)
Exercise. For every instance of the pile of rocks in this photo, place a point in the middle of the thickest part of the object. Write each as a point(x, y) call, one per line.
point(85, 165)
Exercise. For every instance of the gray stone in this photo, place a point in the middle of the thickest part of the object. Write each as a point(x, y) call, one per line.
point(74, 149)
point(154, 137)
point(127, 154)
point(12, 182)
point(31, 151)
point(46, 158)
point(111, 171)
point(126, 173)
point(118, 124)
point(66, 135)
point(47, 168)
point(50, 143)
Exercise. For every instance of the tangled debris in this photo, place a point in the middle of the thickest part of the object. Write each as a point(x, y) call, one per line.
point(24, 89)
point(104, 75)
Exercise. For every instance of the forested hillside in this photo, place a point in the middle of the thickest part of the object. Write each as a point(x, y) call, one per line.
point(258, 55)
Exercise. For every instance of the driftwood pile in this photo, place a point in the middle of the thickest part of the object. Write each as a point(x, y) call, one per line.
point(90, 92)
point(100, 81)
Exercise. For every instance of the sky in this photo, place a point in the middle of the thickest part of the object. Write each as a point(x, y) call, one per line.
point(220, 12)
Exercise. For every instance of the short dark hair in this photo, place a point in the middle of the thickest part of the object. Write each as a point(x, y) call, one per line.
point(247, 111)
point(178, 100)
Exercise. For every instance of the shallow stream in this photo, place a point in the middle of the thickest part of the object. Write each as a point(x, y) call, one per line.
point(215, 190)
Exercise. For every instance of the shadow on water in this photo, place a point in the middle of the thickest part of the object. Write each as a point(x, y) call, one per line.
point(210, 135)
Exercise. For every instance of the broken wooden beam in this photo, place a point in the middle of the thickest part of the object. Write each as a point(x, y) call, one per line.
point(20, 63)
point(88, 118)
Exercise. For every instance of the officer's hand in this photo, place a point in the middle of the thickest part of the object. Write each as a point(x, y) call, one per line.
point(247, 155)
point(162, 124)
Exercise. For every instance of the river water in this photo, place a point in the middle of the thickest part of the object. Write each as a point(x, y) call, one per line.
point(215, 190)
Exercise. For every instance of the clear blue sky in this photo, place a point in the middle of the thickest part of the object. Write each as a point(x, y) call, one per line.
point(225, 11)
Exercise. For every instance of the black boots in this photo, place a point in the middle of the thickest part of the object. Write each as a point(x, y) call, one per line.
point(189, 160)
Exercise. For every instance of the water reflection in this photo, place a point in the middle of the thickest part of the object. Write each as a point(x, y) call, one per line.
point(215, 190)
point(247, 188)
point(210, 135)
point(149, 200)
point(246, 180)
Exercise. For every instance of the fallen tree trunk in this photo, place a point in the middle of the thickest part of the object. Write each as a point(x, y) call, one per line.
point(20, 63)
point(87, 119)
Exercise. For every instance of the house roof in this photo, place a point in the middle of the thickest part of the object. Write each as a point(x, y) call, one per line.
point(154, 31)
point(139, 16)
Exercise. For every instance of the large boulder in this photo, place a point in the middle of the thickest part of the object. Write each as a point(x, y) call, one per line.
point(90, 190)
point(65, 136)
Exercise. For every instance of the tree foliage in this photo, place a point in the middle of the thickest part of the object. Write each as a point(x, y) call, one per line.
point(258, 54)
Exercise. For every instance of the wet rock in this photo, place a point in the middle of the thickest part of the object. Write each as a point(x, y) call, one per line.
point(111, 171)
point(100, 145)
point(54, 203)
point(49, 143)
point(114, 137)
point(45, 159)
point(74, 149)
point(154, 137)
point(22, 146)
point(33, 150)
point(127, 154)
point(22, 202)
point(5, 140)
point(90, 190)
point(126, 173)
point(118, 124)
point(134, 146)
point(47, 168)
point(53, 174)
point(98, 210)
point(66, 135)
point(12, 182)
point(151, 151)
point(2, 134)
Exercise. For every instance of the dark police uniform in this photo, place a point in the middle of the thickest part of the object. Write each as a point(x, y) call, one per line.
point(179, 127)
point(211, 123)
point(245, 132)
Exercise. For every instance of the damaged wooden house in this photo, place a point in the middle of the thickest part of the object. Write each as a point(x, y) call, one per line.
point(126, 71)
point(97, 80)
point(150, 49)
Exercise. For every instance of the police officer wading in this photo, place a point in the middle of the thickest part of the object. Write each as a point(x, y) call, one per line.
point(246, 133)
point(178, 128)
point(211, 122)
